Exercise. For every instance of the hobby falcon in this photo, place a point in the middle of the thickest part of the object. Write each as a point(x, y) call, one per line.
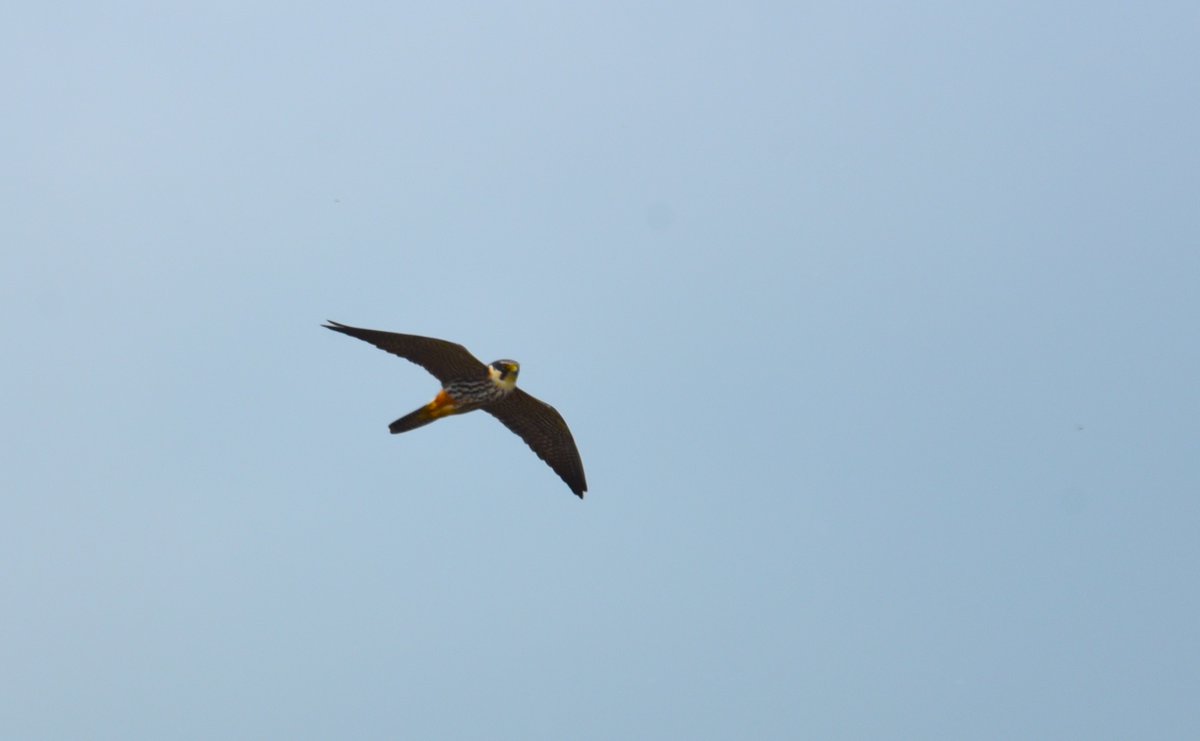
point(468, 384)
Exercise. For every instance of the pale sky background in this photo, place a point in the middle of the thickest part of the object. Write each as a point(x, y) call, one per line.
point(876, 325)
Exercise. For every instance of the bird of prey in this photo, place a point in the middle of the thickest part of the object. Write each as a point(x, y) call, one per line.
point(468, 384)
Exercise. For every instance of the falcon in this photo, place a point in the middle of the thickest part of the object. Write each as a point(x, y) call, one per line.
point(468, 384)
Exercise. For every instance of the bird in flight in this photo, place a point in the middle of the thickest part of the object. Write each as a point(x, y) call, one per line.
point(468, 384)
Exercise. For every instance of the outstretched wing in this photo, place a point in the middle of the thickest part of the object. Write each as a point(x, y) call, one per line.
point(546, 432)
point(447, 361)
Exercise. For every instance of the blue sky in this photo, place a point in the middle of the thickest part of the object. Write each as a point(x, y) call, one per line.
point(875, 325)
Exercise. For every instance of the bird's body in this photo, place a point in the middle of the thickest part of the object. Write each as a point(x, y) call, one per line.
point(456, 397)
point(468, 384)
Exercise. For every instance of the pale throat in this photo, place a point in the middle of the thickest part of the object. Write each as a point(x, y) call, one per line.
point(508, 384)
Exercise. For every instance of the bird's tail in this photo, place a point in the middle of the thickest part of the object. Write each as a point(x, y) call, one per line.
point(412, 420)
point(442, 406)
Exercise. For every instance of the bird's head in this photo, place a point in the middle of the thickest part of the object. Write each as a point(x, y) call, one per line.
point(504, 373)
